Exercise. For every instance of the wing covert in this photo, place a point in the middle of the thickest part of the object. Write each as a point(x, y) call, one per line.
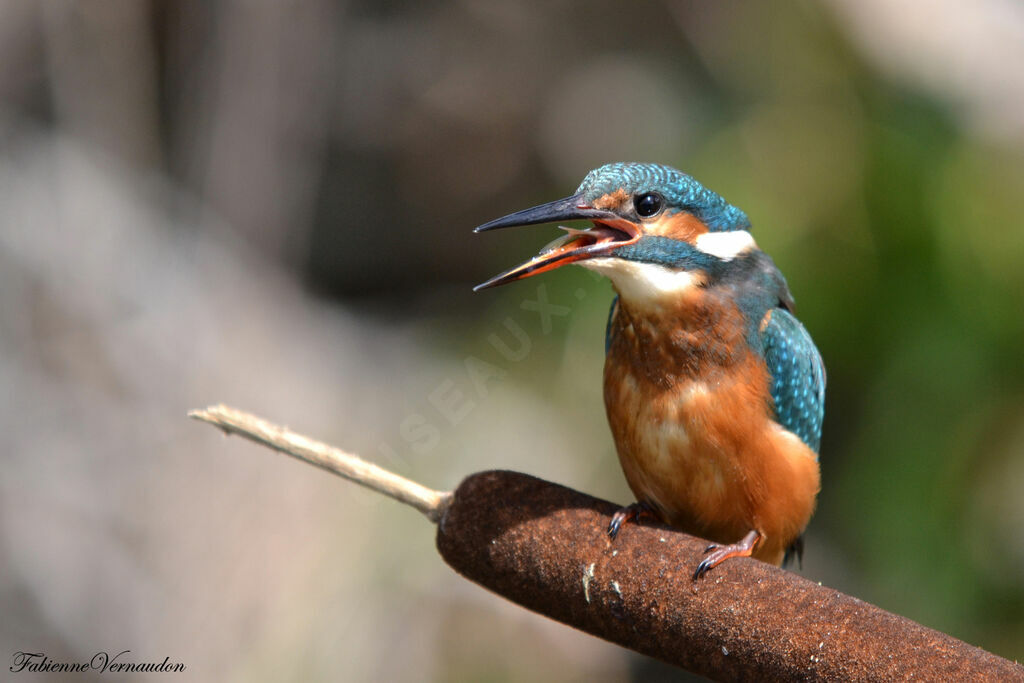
point(797, 376)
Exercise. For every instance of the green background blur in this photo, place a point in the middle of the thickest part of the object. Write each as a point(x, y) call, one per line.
point(270, 205)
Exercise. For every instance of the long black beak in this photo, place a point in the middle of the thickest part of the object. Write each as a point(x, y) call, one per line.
point(568, 209)
point(609, 232)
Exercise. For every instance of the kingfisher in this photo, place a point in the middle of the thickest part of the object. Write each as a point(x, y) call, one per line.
point(714, 391)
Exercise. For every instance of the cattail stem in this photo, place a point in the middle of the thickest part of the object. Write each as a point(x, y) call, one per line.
point(544, 546)
point(428, 501)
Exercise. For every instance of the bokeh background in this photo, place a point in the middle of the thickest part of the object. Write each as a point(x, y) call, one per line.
point(269, 204)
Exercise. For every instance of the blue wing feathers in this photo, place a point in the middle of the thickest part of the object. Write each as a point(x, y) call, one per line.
point(797, 375)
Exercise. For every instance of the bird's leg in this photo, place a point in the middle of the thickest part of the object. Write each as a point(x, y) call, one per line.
point(634, 511)
point(721, 553)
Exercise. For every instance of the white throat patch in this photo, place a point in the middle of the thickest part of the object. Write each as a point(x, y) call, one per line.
point(650, 283)
point(643, 282)
point(725, 245)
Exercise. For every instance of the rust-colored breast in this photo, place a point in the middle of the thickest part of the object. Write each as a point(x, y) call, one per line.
point(689, 406)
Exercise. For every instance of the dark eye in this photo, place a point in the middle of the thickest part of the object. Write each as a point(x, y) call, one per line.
point(648, 204)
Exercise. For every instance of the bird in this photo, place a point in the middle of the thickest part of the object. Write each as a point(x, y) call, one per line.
point(713, 389)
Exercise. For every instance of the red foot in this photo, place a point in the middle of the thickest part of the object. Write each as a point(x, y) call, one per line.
point(721, 553)
point(631, 512)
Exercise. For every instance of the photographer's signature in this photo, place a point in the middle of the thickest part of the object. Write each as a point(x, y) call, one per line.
point(101, 662)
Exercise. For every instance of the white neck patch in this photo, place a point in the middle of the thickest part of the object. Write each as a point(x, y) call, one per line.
point(643, 282)
point(725, 245)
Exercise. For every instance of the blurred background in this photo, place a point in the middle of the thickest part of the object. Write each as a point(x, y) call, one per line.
point(270, 205)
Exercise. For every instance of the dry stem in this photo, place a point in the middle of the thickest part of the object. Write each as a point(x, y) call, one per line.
point(428, 501)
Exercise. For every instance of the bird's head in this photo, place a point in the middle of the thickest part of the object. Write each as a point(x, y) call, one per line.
point(655, 230)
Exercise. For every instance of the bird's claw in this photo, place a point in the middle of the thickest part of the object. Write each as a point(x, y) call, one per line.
point(703, 568)
point(634, 511)
point(613, 526)
point(721, 553)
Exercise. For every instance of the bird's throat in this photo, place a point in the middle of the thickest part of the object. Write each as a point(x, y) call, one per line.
point(645, 285)
point(697, 337)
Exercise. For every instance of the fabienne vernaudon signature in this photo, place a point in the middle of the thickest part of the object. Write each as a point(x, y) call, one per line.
point(101, 662)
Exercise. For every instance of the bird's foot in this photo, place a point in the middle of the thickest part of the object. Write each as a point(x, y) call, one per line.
point(721, 553)
point(631, 512)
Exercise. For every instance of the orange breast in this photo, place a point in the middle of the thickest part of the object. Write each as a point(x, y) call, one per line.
point(690, 410)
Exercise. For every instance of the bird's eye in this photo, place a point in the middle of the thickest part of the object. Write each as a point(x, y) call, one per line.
point(648, 204)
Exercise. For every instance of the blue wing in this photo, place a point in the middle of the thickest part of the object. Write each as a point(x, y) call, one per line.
point(798, 376)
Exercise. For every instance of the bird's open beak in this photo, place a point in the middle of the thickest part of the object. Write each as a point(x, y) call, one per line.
point(609, 232)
